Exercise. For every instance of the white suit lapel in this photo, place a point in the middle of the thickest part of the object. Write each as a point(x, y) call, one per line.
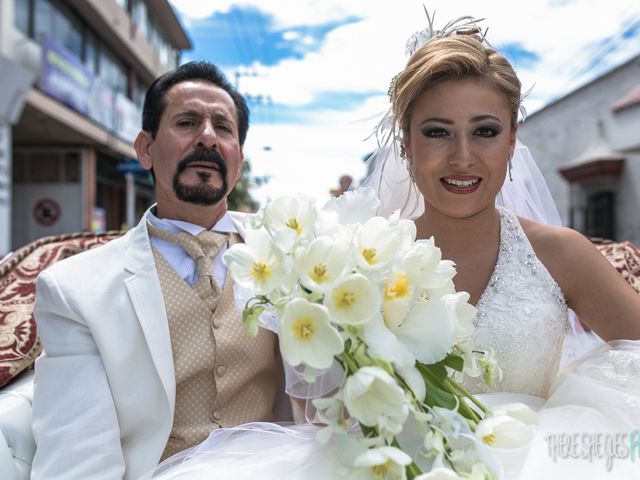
point(146, 295)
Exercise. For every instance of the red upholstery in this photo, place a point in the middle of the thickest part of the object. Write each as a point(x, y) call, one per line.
point(19, 344)
point(625, 257)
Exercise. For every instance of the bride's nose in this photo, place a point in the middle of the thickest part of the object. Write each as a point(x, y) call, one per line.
point(461, 154)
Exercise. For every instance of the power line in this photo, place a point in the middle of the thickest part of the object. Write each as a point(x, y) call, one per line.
point(610, 45)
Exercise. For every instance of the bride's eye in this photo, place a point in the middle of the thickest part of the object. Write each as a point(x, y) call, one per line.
point(487, 131)
point(434, 132)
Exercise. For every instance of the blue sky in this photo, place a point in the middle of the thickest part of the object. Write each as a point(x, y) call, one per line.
point(316, 72)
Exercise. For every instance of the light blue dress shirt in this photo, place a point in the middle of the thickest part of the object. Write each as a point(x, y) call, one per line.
point(174, 254)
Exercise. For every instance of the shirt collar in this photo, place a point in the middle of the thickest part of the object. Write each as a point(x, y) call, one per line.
point(224, 225)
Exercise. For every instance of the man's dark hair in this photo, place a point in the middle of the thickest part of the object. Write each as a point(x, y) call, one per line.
point(155, 99)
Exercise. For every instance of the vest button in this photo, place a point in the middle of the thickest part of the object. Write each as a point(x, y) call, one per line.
point(220, 370)
point(217, 321)
point(215, 415)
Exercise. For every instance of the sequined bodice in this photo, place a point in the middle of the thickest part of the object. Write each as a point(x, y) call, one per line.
point(522, 316)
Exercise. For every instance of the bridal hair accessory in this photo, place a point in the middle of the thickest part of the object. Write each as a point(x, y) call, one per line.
point(465, 25)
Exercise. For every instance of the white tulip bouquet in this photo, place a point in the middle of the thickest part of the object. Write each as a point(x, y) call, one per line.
point(347, 285)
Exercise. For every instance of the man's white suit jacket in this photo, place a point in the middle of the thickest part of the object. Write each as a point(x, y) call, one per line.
point(107, 371)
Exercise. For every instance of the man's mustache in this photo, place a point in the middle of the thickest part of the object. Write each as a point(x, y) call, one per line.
point(211, 157)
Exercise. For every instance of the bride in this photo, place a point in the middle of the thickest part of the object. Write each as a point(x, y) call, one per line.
point(454, 122)
point(451, 144)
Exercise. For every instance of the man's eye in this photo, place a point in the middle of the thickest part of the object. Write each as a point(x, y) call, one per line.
point(185, 123)
point(487, 131)
point(435, 132)
point(224, 128)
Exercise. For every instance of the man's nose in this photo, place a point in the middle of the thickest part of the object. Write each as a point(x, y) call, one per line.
point(207, 137)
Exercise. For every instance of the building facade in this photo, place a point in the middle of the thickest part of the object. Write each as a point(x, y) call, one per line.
point(84, 65)
point(587, 145)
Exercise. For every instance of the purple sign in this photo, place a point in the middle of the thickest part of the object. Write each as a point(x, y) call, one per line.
point(63, 76)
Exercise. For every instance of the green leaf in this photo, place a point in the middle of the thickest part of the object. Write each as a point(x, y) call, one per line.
point(453, 361)
point(436, 397)
point(251, 320)
point(436, 372)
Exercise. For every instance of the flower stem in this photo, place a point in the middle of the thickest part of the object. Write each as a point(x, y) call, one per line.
point(350, 363)
point(456, 386)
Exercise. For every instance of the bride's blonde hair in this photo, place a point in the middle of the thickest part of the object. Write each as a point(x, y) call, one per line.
point(451, 57)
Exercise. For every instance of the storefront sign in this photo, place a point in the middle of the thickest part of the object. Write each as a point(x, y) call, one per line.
point(65, 77)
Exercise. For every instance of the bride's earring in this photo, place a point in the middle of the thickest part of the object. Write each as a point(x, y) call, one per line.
point(410, 168)
point(510, 167)
point(403, 155)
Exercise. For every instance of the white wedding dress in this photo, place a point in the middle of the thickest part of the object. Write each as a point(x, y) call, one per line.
point(522, 316)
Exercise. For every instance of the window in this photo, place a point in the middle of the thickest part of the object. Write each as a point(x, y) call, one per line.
point(56, 20)
point(22, 8)
point(140, 17)
point(113, 71)
point(91, 52)
point(139, 91)
point(122, 4)
point(600, 215)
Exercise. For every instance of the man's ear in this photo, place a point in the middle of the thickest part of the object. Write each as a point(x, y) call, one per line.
point(142, 146)
point(239, 172)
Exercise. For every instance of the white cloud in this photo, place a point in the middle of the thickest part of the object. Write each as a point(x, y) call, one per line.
point(363, 56)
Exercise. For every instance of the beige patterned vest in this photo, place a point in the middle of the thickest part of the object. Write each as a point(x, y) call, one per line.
point(223, 378)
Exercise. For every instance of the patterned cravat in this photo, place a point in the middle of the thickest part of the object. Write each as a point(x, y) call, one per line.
point(202, 248)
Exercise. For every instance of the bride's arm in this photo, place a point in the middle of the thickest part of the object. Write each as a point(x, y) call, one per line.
point(592, 287)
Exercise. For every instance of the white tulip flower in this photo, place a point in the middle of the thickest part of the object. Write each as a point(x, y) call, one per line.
point(503, 431)
point(423, 263)
point(382, 342)
point(290, 219)
point(439, 473)
point(256, 264)
point(353, 300)
point(376, 244)
point(321, 263)
point(374, 398)
point(465, 313)
point(517, 410)
point(427, 333)
point(307, 336)
point(354, 206)
point(381, 463)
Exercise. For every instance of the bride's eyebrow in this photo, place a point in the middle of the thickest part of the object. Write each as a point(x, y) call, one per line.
point(438, 120)
point(482, 118)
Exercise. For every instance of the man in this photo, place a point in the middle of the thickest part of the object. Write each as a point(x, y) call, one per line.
point(144, 352)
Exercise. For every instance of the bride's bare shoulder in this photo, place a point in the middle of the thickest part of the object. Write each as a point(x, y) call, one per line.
point(563, 251)
point(552, 241)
